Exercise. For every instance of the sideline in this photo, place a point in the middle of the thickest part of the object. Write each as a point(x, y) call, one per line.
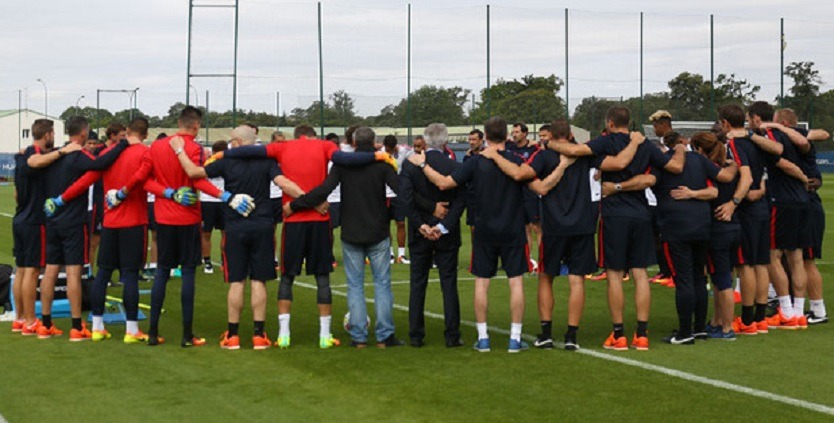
point(823, 409)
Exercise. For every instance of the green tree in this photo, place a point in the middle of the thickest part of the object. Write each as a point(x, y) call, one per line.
point(590, 114)
point(529, 99)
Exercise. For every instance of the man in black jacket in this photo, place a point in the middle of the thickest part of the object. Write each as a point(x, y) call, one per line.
point(365, 233)
point(432, 239)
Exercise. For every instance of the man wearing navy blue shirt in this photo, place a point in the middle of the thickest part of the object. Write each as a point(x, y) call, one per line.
point(626, 229)
point(248, 248)
point(499, 225)
point(525, 148)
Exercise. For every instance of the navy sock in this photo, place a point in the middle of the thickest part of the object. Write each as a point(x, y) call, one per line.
point(259, 328)
point(547, 328)
point(642, 328)
point(130, 294)
point(187, 298)
point(233, 329)
point(759, 312)
point(76, 323)
point(99, 291)
point(747, 315)
point(46, 319)
point(160, 283)
point(619, 329)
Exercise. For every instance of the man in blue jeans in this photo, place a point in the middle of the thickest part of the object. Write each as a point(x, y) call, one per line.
point(364, 234)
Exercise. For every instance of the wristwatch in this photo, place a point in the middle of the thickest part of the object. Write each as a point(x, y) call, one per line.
point(750, 133)
point(422, 165)
point(178, 151)
point(736, 201)
point(618, 187)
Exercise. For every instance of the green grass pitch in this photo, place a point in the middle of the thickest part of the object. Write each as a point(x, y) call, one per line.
point(55, 380)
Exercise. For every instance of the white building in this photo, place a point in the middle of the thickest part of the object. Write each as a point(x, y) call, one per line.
point(16, 129)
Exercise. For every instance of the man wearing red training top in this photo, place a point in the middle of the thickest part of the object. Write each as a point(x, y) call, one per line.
point(178, 216)
point(304, 161)
point(123, 235)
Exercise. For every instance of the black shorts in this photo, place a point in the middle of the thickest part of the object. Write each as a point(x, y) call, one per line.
point(626, 243)
point(514, 260)
point(335, 215)
point(306, 241)
point(816, 231)
point(178, 245)
point(277, 210)
point(123, 248)
point(248, 253)
point(396, 210)
point(575, 251)
point(68, 246)
point(212, 215)
point(723, 248)
point(96, 220)
point(151, 218)
point(754, 248)
point(789, 227)
point(532, 210)
point(29, 245)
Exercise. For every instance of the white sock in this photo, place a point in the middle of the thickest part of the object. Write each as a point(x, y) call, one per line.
point(324, 326)
point(738, 285)
point(392, 250)
point(771, 292)
point(284, 325)
point(132, 327)
point(798, 306)
point(515, 331)
point(482, 330)
point(151, 266)
point(98, 323)
point(400, 251)
point(818, 307)
point(786, 306)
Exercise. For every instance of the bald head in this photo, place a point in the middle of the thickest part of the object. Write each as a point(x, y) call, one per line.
point(244, 134)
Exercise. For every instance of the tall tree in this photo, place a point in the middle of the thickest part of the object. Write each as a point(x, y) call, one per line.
point(529, 99)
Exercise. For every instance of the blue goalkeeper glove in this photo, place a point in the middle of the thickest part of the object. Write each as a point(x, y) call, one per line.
point(241, 203)
point(113, 197)
point(52, 204)
point(184, 196)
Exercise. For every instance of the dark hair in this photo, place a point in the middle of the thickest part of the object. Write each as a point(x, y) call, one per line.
point(304, 130)
point(113, 129)
point(619, 116)
point(762, 110)
point(161, 136)
point(477, 132)
point(495, 129)
point(190, 116)
point(253, 126)
point(332, 137)
point(521, 126)
point(219, 146)
point(672, 139)
point(139, 126)
point(663, 119)
point(390, 141)
point(77, 125)
point(349, 134)
point(711, 147)
point(92, 135)
point(545, 127)
point(733, 114)
point(41, 127)
point(560, 128)
point(419, 137)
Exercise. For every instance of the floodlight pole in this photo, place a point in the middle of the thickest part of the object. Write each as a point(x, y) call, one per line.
point(234, 78)
point(641, 72)
point(408, 82)
point(781, 62)
point(45, 98)
point(321, 78)
point(188, 55)
point(19, 118)
point(712, 67)
point(277, 110)
point(232, 75)
point(488, 103)
point(207, 117)
point(567, 74)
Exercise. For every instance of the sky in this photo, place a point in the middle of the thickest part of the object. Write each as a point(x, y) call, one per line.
point(77, 47)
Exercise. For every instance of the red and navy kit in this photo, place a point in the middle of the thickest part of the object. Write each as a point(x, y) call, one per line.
point(532, 205)
point(28, 229)
point(789, 199)
point(248, 248)
point(754, 216)
point(724, 248)
point(568, 216)
point(685, 220)
point(499, 222)
point(816, 213)
point(161, 169)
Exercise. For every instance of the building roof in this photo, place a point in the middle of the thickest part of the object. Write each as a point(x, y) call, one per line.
point(11, 112)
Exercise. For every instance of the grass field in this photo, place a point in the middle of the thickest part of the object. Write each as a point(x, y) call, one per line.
point(774, 377)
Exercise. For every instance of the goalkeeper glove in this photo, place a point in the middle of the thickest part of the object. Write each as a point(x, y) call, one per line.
point(241, 203)
point(184, 196)
point(382, 156)
point(51, 205)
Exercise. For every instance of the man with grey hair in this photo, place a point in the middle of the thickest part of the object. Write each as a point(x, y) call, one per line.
point(365, 230)
point(432, 239)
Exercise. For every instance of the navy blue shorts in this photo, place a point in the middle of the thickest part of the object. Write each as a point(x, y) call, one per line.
point(532, 209)
point(151, 218)
point(396, 211)
point(212, 215)
point(723, 245)
point(277, 210)
point(178, 245)
point(309, 242)
point(29, 245)
point(123, 248)
point(248, 253)
point(68, 246)
point(789, 227)
point(514, 260)
point(816, 231)
point(335, 215)
point(754, 248)
point(626, 243)
point(575, 251)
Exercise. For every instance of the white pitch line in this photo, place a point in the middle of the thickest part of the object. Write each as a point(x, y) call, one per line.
point(823, 409)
